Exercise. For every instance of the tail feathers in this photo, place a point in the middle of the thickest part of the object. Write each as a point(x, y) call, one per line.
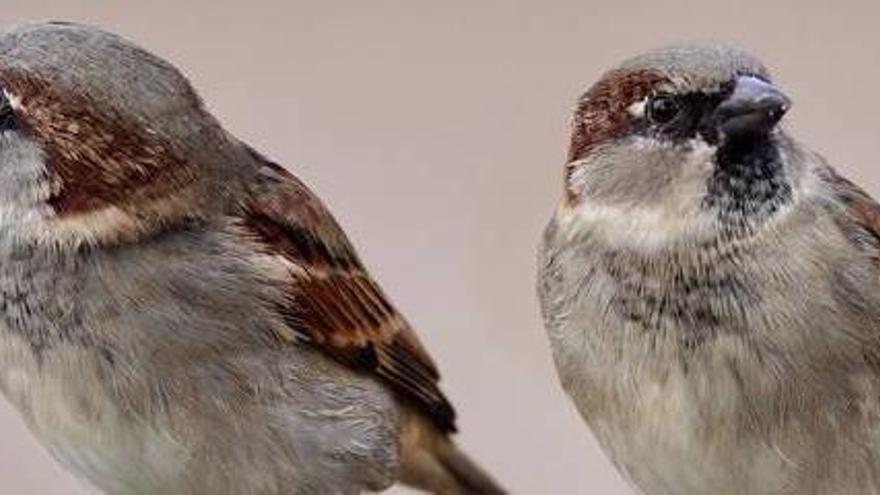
point(471, 479)
point(432, 462)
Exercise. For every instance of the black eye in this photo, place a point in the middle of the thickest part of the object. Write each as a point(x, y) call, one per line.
point(7, 116)
point(662, 109)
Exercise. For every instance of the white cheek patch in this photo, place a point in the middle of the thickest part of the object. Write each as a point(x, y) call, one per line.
point(676, 216)
point(25, 215)
point(23, 188)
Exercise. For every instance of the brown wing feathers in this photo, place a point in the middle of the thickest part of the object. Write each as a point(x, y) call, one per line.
point(860, 207)
point(333, 300)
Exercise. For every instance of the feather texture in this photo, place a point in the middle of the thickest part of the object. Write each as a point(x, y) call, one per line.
point(333, 301)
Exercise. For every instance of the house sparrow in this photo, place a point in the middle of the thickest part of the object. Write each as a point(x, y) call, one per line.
point(711, 288)
point(180, 314)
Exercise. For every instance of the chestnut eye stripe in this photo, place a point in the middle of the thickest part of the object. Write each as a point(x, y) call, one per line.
point(603, 112)
point(97, 159)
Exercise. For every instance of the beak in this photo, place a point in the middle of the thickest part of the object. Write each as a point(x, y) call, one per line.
point(752, 110)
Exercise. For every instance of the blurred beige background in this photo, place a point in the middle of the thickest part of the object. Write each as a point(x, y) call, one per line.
point(436, 132)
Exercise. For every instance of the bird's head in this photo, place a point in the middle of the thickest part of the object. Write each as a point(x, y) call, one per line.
point(99, 139)
point(678, 144)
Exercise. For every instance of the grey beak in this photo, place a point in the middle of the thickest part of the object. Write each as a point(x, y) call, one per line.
point(753, 109)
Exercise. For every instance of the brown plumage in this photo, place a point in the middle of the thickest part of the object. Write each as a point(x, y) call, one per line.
point(184, 315)
point(603, 110)
point(333, 300)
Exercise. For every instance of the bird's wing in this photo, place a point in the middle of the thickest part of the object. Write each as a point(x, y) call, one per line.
point(333, 301)
point(860, 208)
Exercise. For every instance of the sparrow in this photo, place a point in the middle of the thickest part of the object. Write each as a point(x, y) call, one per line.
point(710, 287)
point(178, 313)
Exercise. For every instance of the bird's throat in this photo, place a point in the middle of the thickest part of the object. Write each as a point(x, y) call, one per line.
point(749, 182)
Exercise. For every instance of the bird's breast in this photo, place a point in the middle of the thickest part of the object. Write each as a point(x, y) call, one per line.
point(718, 370)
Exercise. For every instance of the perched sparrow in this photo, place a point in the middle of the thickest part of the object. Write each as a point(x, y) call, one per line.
point(711, 288)
point(181, 315)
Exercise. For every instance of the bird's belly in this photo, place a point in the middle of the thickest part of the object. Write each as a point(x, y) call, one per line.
point(665, 446)
point(59, 396)
point(327, 431)
point(676, 429)
point(652, 432)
